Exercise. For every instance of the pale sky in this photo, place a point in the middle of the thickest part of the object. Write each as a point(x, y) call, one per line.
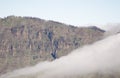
point(74, 12)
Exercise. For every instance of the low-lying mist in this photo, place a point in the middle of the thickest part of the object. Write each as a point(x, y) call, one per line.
point(113, 30)
point(101, 57)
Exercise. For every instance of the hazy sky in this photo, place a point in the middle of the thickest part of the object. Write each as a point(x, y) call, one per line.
point(75, 12)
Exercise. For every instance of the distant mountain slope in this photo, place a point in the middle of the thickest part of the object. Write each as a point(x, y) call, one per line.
point(26, 40)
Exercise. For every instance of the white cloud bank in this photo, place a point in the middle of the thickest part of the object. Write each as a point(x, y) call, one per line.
point(112, 29)
point(102, 56)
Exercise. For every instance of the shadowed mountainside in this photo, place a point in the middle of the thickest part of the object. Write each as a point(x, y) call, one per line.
point(26, 41)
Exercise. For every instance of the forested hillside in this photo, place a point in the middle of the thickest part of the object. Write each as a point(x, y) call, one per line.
point(25, 41)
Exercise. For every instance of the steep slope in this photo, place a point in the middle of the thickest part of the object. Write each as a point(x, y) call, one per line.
point(26, 41)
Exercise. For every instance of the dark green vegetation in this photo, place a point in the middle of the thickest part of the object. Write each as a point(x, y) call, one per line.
point(25, 41)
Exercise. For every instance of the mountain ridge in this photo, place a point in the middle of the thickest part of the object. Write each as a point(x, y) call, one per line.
point(25, 41)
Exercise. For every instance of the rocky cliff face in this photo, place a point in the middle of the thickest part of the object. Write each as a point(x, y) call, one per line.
point(26, 41)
